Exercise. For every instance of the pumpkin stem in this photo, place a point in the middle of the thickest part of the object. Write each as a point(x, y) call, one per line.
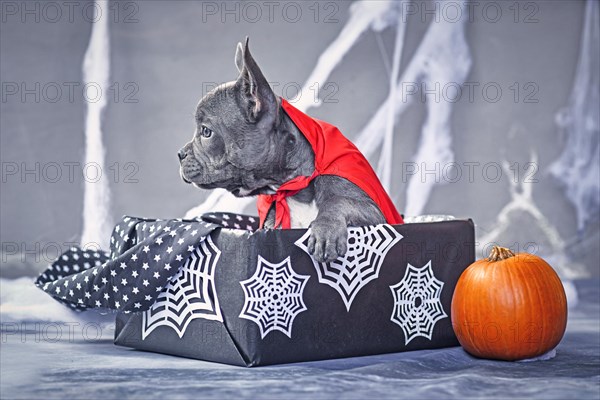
point(500, 253)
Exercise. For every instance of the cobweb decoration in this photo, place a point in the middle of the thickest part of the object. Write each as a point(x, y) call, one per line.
point(417, 305)
point(191, 294)
point(273, 296)
point(367, 248)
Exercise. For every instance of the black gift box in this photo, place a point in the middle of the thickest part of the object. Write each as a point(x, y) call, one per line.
point(258, 298)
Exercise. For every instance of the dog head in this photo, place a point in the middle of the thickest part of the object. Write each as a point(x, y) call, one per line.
point(239, 143)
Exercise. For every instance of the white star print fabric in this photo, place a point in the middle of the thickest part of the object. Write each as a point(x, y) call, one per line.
point(145, 257)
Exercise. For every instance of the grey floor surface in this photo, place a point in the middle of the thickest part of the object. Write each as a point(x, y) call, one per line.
point(33, 366)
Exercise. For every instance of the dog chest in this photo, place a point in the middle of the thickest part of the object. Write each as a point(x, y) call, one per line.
point(302, 214)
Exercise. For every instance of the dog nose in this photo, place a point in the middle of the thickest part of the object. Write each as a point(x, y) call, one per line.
point(181, 154)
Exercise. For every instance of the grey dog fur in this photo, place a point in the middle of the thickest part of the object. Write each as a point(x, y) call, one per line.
point(255, 147)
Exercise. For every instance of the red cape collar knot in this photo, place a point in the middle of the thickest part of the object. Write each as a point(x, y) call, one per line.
point(334, 155)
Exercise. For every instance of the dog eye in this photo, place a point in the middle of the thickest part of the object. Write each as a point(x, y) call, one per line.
point(206, 132)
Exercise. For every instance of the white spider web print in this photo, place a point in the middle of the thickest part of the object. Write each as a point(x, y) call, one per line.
point(273, 296)
point(367, 247)
point(417, 305)
point(191, 294)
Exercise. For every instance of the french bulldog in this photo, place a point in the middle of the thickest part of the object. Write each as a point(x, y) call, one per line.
point(245, 143)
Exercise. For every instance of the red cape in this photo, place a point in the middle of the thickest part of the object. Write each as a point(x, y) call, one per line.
point(334, 155)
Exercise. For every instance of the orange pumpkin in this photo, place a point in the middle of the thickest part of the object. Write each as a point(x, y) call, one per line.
point(509, 307)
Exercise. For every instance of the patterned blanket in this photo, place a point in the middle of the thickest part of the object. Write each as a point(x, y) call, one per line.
point(146, 256)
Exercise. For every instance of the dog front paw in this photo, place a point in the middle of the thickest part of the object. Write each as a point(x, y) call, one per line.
point(328, 239)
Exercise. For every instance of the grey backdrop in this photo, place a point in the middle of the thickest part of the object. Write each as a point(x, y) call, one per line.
point(173, 49)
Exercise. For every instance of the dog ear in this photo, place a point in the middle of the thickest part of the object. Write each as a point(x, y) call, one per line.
point(257, 95)
point(239, 57)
